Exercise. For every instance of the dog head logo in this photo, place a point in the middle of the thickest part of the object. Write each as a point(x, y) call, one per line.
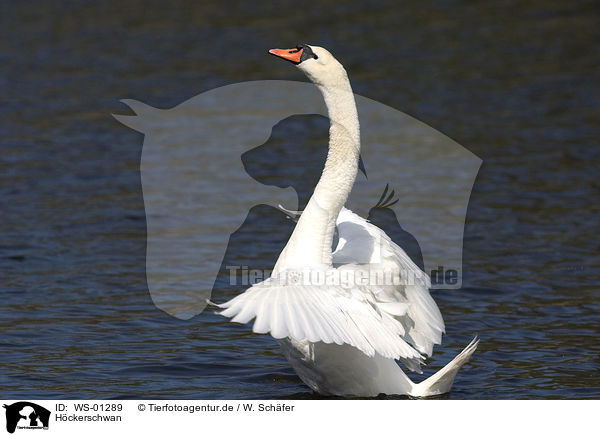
point(26, 415)
point(199, 181)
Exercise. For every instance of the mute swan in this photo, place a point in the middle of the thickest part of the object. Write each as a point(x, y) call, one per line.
point(344, 337)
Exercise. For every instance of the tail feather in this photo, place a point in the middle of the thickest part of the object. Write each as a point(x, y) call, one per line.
point(441, 381)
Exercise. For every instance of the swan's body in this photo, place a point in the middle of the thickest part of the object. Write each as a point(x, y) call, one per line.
point(340, 324)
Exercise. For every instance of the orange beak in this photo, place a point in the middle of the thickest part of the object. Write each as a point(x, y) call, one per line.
point(289, 54)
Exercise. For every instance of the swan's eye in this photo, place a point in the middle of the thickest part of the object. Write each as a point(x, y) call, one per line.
point(307, 52)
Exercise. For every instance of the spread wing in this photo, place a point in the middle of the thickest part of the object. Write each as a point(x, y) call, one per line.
point(373, 315)
point(361, 242)
point(329, 313)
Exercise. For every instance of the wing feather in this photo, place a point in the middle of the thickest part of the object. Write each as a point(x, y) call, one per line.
point(410, 304)
point(395, 321)
point(320, 314)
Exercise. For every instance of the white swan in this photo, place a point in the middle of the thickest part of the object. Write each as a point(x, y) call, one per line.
point(340, 339)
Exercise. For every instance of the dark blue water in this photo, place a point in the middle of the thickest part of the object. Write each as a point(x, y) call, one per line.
point(518, 85)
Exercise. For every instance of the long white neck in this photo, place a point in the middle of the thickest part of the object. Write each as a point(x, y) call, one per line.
point(310, 243)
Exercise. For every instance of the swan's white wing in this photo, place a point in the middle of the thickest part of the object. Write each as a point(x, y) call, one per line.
point(375, 317)
point(326, 313)
point(360, 242)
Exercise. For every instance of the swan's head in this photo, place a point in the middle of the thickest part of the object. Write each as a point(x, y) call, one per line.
point(316, 62)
